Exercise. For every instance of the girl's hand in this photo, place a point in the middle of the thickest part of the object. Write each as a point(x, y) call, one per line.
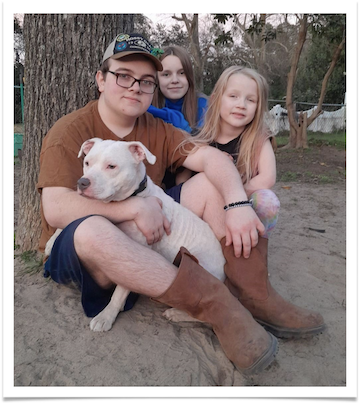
point(242, 229)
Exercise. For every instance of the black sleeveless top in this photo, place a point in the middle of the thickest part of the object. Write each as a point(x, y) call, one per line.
point(232, 147)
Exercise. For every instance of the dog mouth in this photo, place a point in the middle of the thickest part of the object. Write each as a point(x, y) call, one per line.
point(94, 196)
point(83, 194)
point(108, 199)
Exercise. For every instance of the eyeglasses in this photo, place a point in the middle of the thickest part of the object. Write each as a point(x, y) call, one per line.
point(127, 81)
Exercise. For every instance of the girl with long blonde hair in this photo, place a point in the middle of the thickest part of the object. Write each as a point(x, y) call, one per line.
point(235, 124)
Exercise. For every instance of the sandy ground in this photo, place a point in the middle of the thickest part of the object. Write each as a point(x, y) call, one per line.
point(54, 345)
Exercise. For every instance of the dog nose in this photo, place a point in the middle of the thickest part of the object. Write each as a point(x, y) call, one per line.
point(83, 183)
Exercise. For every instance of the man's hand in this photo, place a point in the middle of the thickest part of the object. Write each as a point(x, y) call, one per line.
point(242, 229)
point(151, 220)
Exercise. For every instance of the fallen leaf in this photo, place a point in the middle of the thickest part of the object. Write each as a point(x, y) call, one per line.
point(286, 187)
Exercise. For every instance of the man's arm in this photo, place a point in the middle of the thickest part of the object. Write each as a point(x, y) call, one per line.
point(241, 224)
point(62, 206)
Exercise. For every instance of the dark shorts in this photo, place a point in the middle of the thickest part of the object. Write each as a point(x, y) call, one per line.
point(64, 267)
point(175, 192)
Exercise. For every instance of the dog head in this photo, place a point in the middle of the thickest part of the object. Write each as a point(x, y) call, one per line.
point(112, 169)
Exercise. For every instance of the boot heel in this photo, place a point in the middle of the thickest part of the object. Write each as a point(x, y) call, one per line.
point(288, 333)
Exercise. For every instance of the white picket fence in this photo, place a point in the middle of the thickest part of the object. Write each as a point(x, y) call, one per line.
point(326, 122)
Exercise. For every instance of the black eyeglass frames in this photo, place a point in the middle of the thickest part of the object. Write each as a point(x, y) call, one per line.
point(127, 81)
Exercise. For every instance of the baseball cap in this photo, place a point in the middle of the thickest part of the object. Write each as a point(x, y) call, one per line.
point(128, 44)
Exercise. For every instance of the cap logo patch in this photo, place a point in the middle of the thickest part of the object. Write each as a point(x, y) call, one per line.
point(131, 42)
point(122, 37)
point(120, 46)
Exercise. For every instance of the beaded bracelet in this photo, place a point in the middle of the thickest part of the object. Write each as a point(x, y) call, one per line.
point(243, 203)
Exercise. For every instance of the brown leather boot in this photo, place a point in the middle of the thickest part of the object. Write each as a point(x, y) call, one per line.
point(204, 297)
point(248, 280)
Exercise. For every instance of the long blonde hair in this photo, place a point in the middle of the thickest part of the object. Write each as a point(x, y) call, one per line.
point(189, 108)
point(255, 133)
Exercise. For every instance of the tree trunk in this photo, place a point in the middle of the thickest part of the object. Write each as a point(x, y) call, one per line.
point(304, 143)
point(298, 130)
point(334, 60)
point(62, 55)
point(192, 27)
point(262, 58)
point(295, 129)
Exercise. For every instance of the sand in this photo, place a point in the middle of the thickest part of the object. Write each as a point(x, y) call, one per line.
point(54, 345)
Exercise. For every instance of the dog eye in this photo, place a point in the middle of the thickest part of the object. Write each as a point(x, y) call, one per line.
point(111, 166)
point(87, 163)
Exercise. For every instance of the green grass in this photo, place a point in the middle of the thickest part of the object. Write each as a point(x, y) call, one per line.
point(323, 179)
point(288, 177)
point(32, 263)
point(337, 140)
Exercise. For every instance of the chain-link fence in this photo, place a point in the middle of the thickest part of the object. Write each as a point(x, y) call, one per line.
point(18, 118)
point(19, 104)
point(331, 120)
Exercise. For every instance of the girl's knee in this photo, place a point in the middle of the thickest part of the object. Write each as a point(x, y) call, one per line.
point(199, 180)
point(197, 192)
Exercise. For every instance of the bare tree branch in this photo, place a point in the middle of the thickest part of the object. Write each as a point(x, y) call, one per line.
point(334, 60)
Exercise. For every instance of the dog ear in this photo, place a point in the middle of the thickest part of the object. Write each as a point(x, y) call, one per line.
point(140, 152)
point(88, 145)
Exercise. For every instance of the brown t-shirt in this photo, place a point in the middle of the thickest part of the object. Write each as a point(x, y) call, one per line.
point(59, 162)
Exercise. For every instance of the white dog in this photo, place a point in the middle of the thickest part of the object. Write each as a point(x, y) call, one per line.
point(114, 171)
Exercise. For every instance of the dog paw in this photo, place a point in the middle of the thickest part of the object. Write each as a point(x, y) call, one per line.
point(101, 323)
point(168, 314)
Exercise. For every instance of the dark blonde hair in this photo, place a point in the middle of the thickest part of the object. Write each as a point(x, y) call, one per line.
point(189, 108)
point(255, 133)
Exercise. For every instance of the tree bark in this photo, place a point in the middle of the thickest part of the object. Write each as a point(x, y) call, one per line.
point(295, 128)
point(262, 44)
point(304, 142)
point(62, 55)
point(298, 129)
point(192, 27)
point(334, 60)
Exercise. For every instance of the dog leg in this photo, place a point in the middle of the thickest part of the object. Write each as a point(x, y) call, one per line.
point(50, 242)
point(105, 319)
point(175, 315)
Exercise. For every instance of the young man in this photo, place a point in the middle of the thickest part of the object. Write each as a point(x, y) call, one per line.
point(96, 255)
